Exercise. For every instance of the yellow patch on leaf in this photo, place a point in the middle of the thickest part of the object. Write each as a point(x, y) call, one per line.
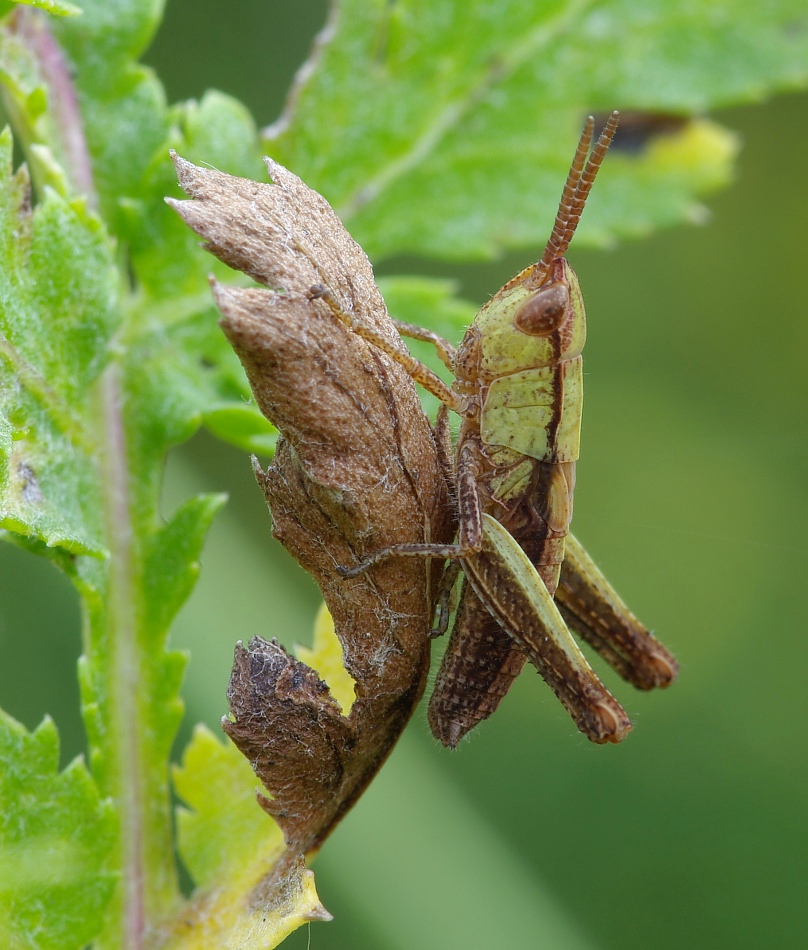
point(327, 659)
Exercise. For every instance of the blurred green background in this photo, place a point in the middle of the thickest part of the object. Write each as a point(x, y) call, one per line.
point(692, 497)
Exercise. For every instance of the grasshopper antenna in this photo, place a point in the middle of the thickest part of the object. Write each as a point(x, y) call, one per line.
point(576, 190)
point(587, 179)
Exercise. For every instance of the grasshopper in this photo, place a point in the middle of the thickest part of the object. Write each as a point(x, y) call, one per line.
point(526, 580)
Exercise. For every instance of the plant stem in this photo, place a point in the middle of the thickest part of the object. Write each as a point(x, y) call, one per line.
point(63, 103)
point(124, 662)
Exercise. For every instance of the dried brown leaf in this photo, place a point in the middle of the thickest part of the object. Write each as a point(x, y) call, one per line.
point(355, 471)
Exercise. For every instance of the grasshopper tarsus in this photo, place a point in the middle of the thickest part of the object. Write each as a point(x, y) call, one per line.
point(346, 573)
point(664, 665)
point(613, 725)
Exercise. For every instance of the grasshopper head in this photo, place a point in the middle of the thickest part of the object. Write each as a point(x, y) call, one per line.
point(525, 326)
point(537, 319)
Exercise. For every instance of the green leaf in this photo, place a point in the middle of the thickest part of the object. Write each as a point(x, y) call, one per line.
point(242, 426)
point(54, 7)
point(98, 381)
point(56, 321)
point(108, 37)
point(102, 143)
point(447, 129)
point(56, 835)
point(326, 658)
point(172, 560)
point(81, 470)
point(122, 162)
point(217, 842)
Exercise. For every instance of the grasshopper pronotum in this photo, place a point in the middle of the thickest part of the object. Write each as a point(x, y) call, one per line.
point(518, 389)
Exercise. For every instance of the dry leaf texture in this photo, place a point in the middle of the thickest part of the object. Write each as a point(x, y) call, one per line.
point(355, 471)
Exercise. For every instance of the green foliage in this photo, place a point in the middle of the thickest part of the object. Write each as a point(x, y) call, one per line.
point(57, 323)
point(440, 129)
point(98, 381)
point(55, 836)
point(466, 115)
point(215, 843)
point(55, 7)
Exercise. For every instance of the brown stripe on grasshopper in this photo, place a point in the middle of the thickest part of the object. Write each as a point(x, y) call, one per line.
point(518, 390)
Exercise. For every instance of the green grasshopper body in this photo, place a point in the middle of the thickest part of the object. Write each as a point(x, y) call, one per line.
point(518, 388)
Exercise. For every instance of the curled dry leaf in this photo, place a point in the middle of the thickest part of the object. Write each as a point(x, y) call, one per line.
point(356, 470)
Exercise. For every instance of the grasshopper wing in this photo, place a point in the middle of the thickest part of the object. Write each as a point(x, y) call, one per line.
point(516, 597)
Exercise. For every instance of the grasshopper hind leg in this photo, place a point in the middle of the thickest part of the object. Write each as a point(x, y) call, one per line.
point(479, 667)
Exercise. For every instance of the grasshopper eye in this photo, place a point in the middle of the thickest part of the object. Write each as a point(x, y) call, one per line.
point(544, 311)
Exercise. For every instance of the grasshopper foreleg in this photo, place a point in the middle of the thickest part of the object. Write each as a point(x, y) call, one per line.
point(418, 371)
point(446, 352)
point(470, 533)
